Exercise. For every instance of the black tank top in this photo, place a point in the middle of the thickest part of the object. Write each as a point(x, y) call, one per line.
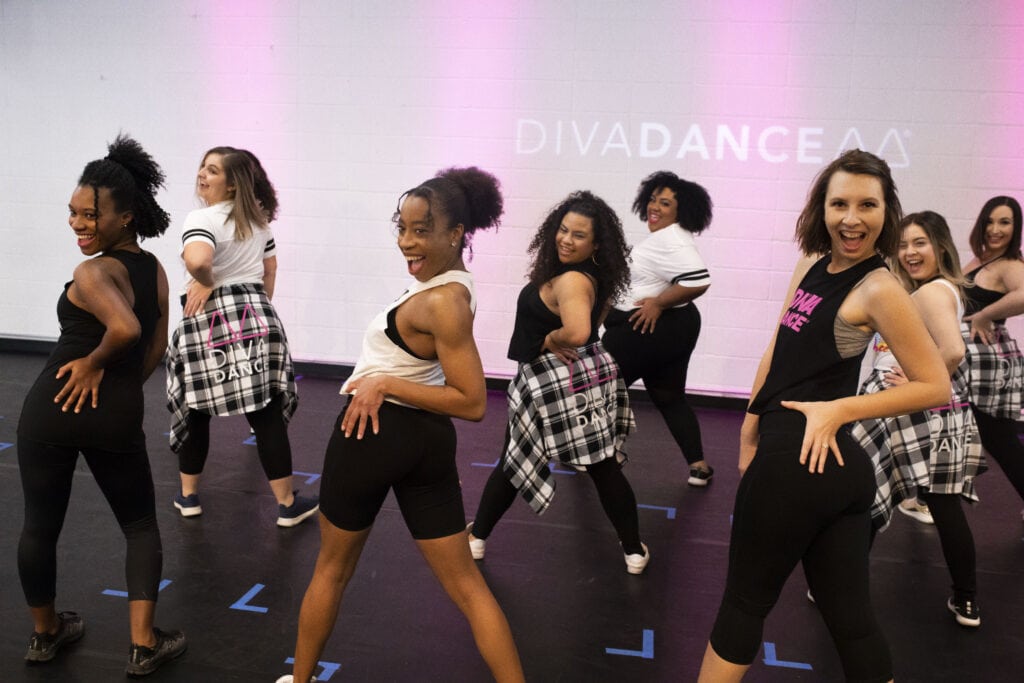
point(116, 425)
point(978, 297)
point(806, 365)
point(534, 320)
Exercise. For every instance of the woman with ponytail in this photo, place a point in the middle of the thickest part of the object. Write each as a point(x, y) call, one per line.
point(89, 400)
point(419, 367)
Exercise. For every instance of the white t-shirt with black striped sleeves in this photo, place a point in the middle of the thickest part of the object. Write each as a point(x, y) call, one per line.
point(234, 261)
point(666, 257)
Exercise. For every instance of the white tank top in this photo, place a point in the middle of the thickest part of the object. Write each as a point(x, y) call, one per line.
point(381, 356)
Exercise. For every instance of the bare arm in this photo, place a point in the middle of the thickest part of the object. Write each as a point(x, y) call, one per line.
point(1011, 277)
point(198, 258)
point(937, 305)
point(158, 344)
point(650, 309)
point(883, 305)
point(97, 290)
point(574, 294)
point(269, 275)
point(464, 393)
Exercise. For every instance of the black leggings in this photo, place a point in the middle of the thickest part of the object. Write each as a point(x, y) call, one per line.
point(272, 443)
point(127, 483)
point(999, 437)
point(617, 499)
point(661, 359)
point(784, 515)
point(956, 539)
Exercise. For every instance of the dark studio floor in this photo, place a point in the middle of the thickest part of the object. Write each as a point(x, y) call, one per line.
point(234, 581)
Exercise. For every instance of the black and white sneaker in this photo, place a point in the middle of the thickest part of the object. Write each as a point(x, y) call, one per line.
point(965, 611)
point(143, 660)
point(700, 477)
point(42, 647)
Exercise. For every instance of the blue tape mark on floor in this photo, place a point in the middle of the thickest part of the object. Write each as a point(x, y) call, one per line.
point(646, 653)
point(243, 602)
point(4, 445)
point(298, 377)
point(251, 441)
point(329, 669)
point(124, 594)
point(310, 476)
point(553, 466)
point(670, 513)
point(486, 464)
point(771, 660)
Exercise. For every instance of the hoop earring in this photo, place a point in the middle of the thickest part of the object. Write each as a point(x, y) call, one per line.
point(593, 257)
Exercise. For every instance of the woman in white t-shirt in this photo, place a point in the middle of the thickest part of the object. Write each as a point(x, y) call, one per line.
point(229, 355)
point(653, 329)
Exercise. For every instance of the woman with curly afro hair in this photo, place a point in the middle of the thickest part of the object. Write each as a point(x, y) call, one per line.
point(566, 400)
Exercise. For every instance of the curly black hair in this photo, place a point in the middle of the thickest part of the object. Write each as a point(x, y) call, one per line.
point(612, 253)
point(693, 212)
point(468, 196)
point(133, 178)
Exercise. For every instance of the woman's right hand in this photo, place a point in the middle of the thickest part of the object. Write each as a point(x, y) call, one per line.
point(196, 298)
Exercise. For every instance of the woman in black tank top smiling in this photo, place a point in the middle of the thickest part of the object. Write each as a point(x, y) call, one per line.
point(997, 272)
point(791, 507)
point(89, 400)
point(579, 268)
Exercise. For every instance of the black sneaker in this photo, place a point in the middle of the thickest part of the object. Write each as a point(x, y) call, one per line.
point(965, 611)
point(42, 647)
point(143, 660)
point(700, 478)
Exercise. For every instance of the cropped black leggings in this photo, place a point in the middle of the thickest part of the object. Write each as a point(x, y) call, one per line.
point(956, 539)
point(272, 445)
point(126, 482)
point(661, 359)
point(999, 437)
point(784, 515)
point(617, 499)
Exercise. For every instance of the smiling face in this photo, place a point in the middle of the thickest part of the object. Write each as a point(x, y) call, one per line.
point(211, 182)
point(429, 246)
point(662, 209)
point(574, 239)
point(98, 229)
point(998, 231)
point(854, 216)
point(917, 255)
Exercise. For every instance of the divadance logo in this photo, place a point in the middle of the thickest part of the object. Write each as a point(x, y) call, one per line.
point(774, 144)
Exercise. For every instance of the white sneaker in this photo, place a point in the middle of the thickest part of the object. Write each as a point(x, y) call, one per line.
point(636, 562)
point(916, 510)
point(287, 678)
point(476, 545)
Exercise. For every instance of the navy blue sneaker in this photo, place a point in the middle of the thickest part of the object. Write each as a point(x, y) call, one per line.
point(298, 511)
point(188, 505)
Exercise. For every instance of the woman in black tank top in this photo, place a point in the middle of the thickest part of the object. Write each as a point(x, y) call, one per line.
point(88, 400)
point(790, 507)
point(997, 272)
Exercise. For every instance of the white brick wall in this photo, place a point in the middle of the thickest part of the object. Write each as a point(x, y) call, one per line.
point(348, 104)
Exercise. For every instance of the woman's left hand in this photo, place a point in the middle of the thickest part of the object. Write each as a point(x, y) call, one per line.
point(645, 317)
point(823, 421)
point(982, 328)
point(196, 298)
point(367, 397)
point(83, 384)
point(566, 354)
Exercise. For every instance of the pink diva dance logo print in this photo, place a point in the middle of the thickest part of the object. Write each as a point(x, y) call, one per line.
point(800, 310)
point(237, 353)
